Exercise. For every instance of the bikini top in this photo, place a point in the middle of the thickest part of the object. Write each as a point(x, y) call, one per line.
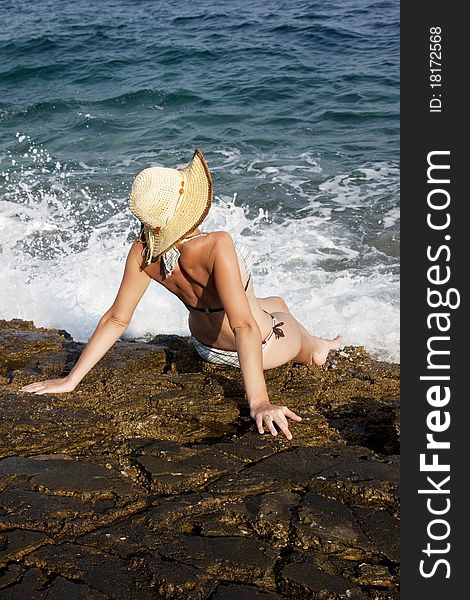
point(246, 259)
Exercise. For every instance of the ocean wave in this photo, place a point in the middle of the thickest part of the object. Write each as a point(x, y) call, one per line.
point(354, 116)
point(141, 97)
point(332, 35)
point(45, 107)
point(294, 105)
point(333, 278)
point(30, 46)
point(47, 72)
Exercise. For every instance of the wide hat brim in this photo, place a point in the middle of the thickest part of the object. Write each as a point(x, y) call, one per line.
point(190, 213)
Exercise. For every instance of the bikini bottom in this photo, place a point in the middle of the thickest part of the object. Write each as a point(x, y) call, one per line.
point(230, 357)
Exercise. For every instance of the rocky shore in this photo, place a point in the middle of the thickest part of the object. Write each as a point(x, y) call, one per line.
point(151, 481)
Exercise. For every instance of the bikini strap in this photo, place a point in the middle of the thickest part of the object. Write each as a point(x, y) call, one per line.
point(213, 310)
point(275, 330)
point(184, 240)
point(203, 309)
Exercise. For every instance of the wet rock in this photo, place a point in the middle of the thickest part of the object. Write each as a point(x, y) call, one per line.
point(265, 516)
point(240, 448)
point(23, 345)
point(274, 516)
point(30, 583)
point(61, 588)
point(150, 479)
point(10, 576)
point(350, 533)
point(34, 585)
point(170, 476)
point(23, 505)
point(174, 580)
point(365, 422)
point(360, 478)
point(243, 484)
point(304, 580)
point(376, 576)
point(19, 543)
point(98, 570)
point(227, 591)
point(227, 558)
point(82, 479)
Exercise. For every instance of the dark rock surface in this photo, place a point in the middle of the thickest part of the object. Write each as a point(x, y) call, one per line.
point(150, 480)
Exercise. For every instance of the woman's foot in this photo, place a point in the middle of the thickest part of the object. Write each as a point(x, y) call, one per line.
point(323, 347)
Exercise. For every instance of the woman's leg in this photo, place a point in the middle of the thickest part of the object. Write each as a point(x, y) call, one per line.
point(297, 343)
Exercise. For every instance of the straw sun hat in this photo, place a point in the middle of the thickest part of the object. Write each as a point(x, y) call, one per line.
point(170, 203)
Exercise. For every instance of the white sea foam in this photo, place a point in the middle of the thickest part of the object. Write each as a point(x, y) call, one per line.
point(391, 217)
point(62, 266)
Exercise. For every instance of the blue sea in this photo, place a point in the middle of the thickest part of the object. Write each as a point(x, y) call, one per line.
point(295, 106)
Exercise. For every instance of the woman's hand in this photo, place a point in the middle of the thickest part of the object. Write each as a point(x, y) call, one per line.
point(270, 414)
point(51, 386)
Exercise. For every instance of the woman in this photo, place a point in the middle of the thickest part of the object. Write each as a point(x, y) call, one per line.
point(211, 275)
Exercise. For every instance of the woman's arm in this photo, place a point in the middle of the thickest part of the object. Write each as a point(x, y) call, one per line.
point(110, 327)
point(247, 337)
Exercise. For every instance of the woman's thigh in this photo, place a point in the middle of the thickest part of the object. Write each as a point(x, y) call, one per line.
point(278, 351)
point(273, 304)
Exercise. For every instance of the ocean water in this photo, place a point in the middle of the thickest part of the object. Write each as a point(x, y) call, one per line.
point(295, 105)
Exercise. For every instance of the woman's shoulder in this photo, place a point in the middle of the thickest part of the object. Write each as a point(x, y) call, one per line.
point(136, 252)
point(137, 247)
point(216, 244)
point(222, 243)
point(221, 237)
point(211, 239)
point(224, 240)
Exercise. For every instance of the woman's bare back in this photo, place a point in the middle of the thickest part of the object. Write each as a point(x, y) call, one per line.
point(193, 283)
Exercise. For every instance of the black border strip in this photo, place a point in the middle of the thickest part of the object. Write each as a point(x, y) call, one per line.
point(433, 233)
